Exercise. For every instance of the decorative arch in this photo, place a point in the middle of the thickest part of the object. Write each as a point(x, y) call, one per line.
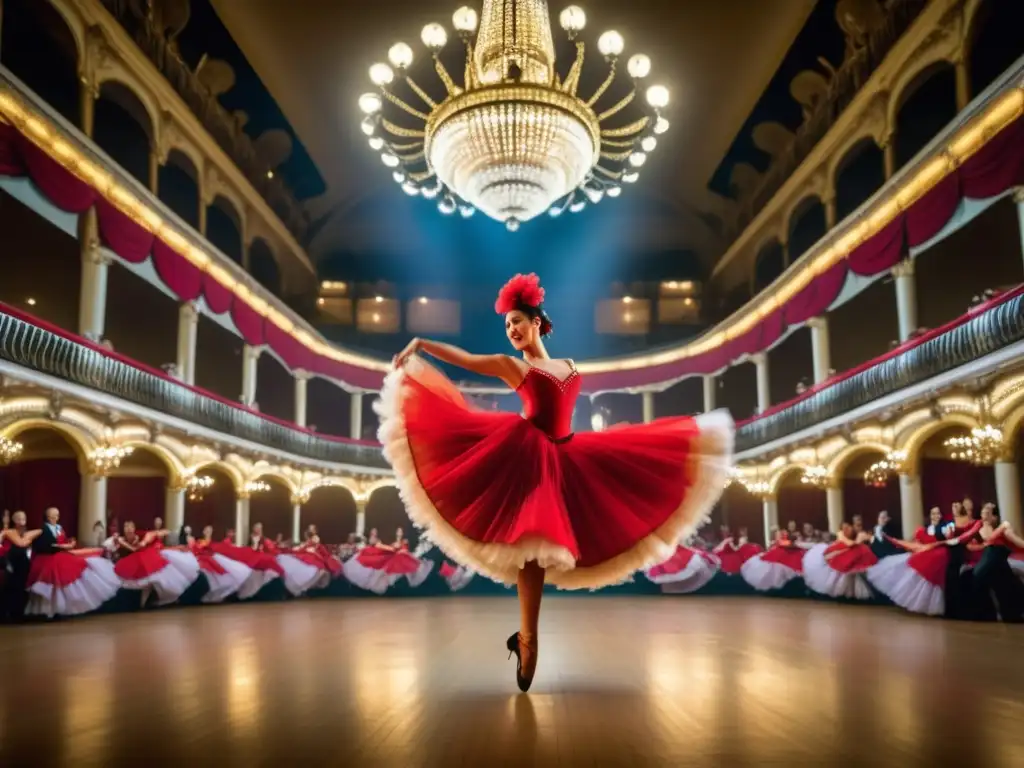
point(130, 83)
point(918, 71)
point(237, 480)
point(121, 94)
point(803, 204)
point(376, 485)
point(175, 469)
point(336, 482)
point(264, 265)
point(74, 22)
point(81, 441)
point(1011, 428)
point(850, 151)
point(838, 463)
point(770, 248)
point(775, 480)
point(274, 473)
point(914, 442)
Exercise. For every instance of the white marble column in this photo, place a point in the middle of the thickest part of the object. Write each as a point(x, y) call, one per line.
point(188, 334)
point(770, 506)
point(242, 521)
point(834, 500)
point(250, 360)
point(361, 516)
point(911, 504)
point(174, 510)
point(820, 350)
point(709, 393)
point(92, 299)
point(356, 416)
point(648, 406)
point(764, 397)
point(92, 506)
point(906, 298)
point(1008, 493)
point(301, 391)
point(296, 522)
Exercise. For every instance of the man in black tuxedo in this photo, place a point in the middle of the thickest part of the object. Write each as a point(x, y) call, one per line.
point(15, 596)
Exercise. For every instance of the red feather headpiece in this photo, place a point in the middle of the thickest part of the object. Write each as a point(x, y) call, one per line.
point(523, 292)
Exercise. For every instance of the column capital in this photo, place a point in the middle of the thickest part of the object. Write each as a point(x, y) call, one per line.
point(190, 309)
point(301, 375)
point(1018, 195)
point(759, 358)
point(252, 351)
point(818, 323)
point(904, 269)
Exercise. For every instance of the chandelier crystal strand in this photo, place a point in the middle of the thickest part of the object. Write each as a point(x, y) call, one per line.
point(981, 447)
point(512, 141)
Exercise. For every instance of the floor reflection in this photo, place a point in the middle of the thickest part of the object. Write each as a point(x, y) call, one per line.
point(643, 681)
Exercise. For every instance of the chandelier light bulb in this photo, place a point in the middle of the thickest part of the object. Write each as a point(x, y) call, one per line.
point(434, 37)
point(446, 206)
point(368, 126)
point(657, 96)
point(512, 224)
point(661, 125)
point(594, 195)
point(466, 211)
point(555, 211)
point(389, 160)
point(370, 103)
point(614, 191)
point(648, 144)
point(573, 19)
point(578, 206)
point(630, 178)
point(610, 44)
point(637, 159)
point(376, 143)
point(639, 66)
point(381, 75)
point(410, 189)
point(399, 177)
point(431, 192)
point(400, 56)
point(465, 20)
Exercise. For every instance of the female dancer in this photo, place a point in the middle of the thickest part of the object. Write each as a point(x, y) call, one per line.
point(519, 498)
point(775, 568)
point(837, 569)
point(688, 570)
point(378, 567)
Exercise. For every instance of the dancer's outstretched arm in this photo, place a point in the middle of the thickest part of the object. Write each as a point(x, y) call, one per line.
point(499, 366)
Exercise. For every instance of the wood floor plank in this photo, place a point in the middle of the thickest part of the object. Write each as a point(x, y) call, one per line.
point(625, 681)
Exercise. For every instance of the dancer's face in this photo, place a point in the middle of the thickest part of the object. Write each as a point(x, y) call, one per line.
point(521, 331)
point(935, 516)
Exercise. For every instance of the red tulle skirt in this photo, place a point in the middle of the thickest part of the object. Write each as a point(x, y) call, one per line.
point(495, 492)
point(850, 559)
point(389, 561)
point(791, 557)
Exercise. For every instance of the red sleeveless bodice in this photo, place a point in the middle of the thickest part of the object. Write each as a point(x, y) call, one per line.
point(548, 402)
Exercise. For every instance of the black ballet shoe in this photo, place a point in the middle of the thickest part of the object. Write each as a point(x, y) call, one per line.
point(513, 647)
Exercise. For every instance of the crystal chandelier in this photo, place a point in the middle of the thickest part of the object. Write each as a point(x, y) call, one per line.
point(197, 485)
point(108, 458)
point(256, 486)
point(815, 476)
point(757, 487)
point(878, 474)
point(981, 447)
point(514, 139)
point(10, 450)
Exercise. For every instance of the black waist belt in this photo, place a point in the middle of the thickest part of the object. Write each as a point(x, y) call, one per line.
point(561, 440)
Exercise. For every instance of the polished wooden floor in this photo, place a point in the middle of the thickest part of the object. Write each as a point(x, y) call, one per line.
point(622, 681)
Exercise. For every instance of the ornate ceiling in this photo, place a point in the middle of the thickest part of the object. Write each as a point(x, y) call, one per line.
point(717, 57)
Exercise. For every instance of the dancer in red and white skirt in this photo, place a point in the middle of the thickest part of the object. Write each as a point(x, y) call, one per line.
point(774, 569)
point(224, 576)
point(260, 558)
point(733, 552)
point(837, 569)
point(457, 577)
point(686, 571)
point(64, 580)
point(309, 565)
point(522, 500)
point(916, 581)
point(378, 567)
point(141, 565)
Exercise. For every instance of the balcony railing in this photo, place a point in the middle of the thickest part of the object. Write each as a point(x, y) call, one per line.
point(844, 85)
point(142, 26)
point(980, 333)
point(32, 346)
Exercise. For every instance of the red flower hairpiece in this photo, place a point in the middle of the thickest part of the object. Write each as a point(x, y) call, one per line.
point(521, 290)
